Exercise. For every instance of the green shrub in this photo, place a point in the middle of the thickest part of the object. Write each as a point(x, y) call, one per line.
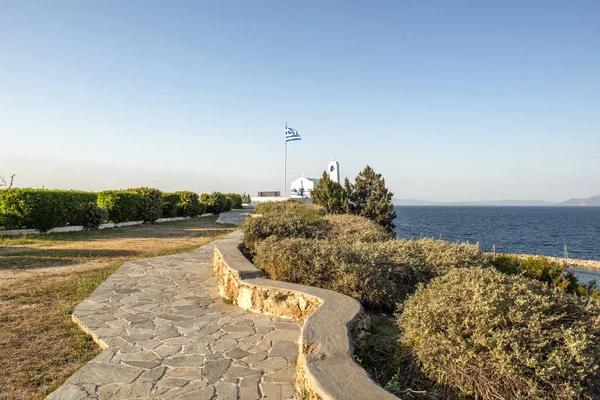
point(540, 268)
point(246, 199)
point(369, 197)
point(76, 202)
point(235, 199)
point(330, 195)
point(424, 259)
point(274, 207)
point(286, 223)
point(169, 204)
point(152, 203)
point(189, 204)
point(11, 220)
point(216, 202)
point(122, 205)
point(359, 270)
point(93, 216)
point(354, 228)
point(497, 336)
point(43, 209)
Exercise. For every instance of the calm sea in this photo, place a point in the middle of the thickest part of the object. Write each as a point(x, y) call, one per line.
point(530, 230)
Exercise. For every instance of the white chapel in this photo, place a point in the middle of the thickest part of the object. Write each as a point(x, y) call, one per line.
point(301, 187)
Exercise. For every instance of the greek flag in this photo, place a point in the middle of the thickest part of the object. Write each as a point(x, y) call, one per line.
point(291, 134)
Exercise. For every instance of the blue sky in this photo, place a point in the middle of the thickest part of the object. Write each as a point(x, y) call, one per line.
point(449, 100)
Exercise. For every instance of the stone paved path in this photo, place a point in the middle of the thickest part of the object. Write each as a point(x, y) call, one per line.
point(235, 217)
point(169, 335)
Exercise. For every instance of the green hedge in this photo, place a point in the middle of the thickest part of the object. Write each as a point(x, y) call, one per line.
point(189, 204)
point(152, 203)
point(169, 204)
point(43, 209)
point(216, 202)
point(122, 205)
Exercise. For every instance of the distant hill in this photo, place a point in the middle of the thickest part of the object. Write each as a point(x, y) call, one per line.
point(592, 201)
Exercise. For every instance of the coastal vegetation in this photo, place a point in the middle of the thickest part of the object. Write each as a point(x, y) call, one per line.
point(45, 209)
point(448, 321)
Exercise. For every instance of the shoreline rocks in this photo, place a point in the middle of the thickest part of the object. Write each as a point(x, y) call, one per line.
point(571, 262)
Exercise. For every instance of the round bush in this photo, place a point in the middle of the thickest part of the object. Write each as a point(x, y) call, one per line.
point(427, 258)
point(169, 204)
point(122, 205)
point(151, 208)
point(93, 216)
point(216, 202)
point(189, 204)
point(235, 199)
point(354, 228)
point(498, 336)
point(284, 224)
point(274, 207)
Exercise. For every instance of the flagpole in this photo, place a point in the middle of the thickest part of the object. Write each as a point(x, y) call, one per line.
point(283, 194)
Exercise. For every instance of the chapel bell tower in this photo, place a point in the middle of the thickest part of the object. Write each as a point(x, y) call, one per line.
point(333, 169)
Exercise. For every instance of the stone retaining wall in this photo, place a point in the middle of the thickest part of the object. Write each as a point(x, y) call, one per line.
point(326, 369)
point(572, 262)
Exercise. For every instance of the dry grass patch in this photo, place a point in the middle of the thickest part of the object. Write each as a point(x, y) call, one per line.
point(46, 276)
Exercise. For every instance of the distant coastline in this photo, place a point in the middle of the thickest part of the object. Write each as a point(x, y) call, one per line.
point(593, 201)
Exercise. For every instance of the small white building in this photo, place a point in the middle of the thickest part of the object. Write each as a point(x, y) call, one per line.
point(301, 187)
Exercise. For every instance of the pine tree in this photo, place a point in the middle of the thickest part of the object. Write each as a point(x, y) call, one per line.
point(330, 195)
point(369, 197)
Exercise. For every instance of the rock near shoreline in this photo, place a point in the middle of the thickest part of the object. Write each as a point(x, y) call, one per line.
point(571, 262)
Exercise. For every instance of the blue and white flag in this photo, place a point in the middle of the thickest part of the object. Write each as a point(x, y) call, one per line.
point(291, 134)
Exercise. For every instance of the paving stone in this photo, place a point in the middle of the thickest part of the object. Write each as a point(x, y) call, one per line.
point(284, 376)
point(284, 349)
point(236, 353)
point(283, 335)
point(196, 348)
point(172, 382)
point(100, 374)
point(133, 390)
point(224, 345)
point(142, 364)
point(195, 360)
point(227, 391)
point(153, 375)
point(271, 364)
point(271, 391)
point(256, 357)
point(189, 388)
point(71, 392)
point(240, 372)
point(206, 393)
point(165, 351)
point(287, 326)
point(212, 371)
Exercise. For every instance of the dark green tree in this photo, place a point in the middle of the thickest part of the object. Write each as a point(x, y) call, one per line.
point(330, 195)
point(368, 197)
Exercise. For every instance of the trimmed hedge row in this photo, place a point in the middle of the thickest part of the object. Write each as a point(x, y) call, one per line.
point(44, 209)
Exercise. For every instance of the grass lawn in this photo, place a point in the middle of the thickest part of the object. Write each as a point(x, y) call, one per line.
point(43, 278)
